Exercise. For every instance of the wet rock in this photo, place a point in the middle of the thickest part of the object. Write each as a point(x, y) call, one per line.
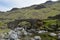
point(32, 39)
point(18, 29)
point(59, 36)
point(53, 34)
point(37, 38)
point(13, 35)
point(30, 34)
point(32, 31)
point(24, 32)
point(42, 31)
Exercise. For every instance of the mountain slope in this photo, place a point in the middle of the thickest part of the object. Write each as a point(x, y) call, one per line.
point(41, 11)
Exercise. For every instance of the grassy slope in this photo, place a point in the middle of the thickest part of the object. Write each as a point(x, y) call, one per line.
point(30, 12)
point(50, 10)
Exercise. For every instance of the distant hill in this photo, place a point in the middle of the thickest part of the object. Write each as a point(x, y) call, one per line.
point(41, 11)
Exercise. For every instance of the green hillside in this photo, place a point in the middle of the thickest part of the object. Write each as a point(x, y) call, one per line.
point(41, 11)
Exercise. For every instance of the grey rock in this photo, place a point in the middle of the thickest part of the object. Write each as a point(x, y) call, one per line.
point(37, 38)
point(42, 31)
point(53, 34)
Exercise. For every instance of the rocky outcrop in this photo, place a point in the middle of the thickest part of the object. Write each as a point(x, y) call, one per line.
point(13, 9)
point(40, 6)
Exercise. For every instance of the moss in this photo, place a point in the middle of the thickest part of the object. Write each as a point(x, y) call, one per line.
point(4, 31)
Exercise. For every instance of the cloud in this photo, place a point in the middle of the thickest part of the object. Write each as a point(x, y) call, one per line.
point(3, 8)
point(8, 4)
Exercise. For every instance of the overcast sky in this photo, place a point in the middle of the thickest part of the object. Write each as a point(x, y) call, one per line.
point(8, 4)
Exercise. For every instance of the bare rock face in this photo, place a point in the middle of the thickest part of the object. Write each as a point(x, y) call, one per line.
point(49, 2)
point(14, 9)
point(39, 7)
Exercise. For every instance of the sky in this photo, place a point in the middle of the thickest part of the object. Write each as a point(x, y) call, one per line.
point(9, 4)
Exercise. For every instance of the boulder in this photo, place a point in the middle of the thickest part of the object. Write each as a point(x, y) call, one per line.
point(58, 35)
point(53, 34)
point(42, 31)
point(13, 35)
point(37, 38)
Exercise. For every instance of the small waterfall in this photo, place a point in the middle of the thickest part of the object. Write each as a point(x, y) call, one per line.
point(16, 33)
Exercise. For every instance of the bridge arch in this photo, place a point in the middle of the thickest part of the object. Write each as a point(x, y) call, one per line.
point(15, 23)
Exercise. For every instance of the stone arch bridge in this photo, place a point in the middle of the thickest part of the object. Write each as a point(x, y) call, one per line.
point(15, 23)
